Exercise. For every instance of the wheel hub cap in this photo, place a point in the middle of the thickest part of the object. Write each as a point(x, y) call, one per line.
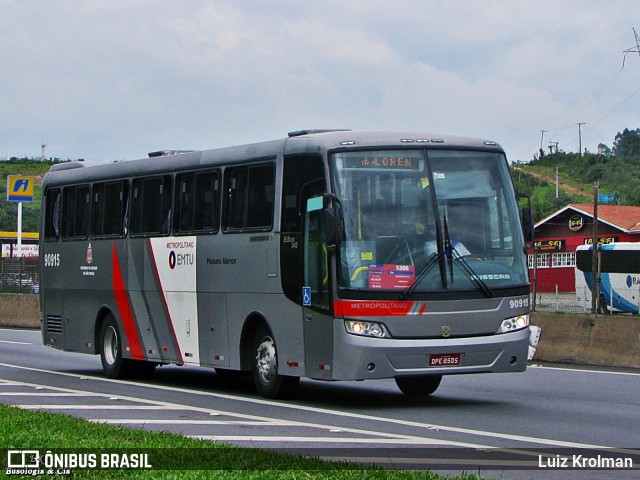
point(110, 345)
point(266, 357)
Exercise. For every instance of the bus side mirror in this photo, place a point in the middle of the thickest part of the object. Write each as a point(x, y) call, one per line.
point(528, 226)
point(333, 219)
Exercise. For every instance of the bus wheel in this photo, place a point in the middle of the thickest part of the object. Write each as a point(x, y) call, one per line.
point(264, 364)
point(418, 384)
point(113, 364)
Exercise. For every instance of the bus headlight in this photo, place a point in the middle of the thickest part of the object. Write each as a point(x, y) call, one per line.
point(366, 329)
point(514, 323)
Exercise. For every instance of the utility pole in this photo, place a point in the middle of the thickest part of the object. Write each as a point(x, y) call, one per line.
point(580, 137)
point(542, 132)
point(595, 287)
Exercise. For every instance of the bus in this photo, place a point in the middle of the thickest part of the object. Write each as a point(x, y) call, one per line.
point(330, 255)
point(619, 282)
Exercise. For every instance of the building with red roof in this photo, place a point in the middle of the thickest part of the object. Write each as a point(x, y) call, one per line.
point(558, 235)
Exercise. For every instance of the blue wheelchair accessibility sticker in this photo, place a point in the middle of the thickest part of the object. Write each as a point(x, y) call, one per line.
point(306, 296)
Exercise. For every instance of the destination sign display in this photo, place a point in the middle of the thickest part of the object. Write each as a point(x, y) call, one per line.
point(381, 162)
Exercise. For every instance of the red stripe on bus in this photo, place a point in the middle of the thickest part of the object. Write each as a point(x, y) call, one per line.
point(124, 308)
point(374, 308)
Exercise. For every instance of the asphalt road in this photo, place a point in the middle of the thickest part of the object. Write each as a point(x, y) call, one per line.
point(530, 417)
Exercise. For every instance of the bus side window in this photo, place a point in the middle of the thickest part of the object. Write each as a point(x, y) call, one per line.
point(75, 212)
point(151, 206)
point(249, 197)
point(303, 178)
point(206, 201)
point(52, 218)
point(184, 202)
point(109, 208)
point(197, 202)
point(316, 259)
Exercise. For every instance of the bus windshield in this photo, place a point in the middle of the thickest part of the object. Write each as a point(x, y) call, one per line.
point(427, 221)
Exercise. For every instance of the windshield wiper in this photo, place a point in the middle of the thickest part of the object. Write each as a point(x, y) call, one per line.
point(464, 266)
point(426, 268)
point(452, 254)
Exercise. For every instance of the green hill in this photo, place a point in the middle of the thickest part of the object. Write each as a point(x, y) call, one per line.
point(615, 175)
point(616, 170)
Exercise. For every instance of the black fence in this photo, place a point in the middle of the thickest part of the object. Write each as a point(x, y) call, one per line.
point(20, 275)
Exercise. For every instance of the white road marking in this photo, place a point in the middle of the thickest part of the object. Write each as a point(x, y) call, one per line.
point(368, 441)
point(127, 421)
point(307, 409)
point(100, 407)
point(44, 394)
point(375, 435)
point(16, 343)
point(581, 370)
point(433, 462)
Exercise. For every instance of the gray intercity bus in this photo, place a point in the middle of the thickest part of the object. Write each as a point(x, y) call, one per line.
point(332, 255)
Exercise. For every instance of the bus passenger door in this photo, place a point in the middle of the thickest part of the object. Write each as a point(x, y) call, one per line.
point(316, 296)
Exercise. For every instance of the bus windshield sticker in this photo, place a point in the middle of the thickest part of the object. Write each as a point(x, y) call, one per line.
point(390, 277)
point(314, 204)
point(366, 256)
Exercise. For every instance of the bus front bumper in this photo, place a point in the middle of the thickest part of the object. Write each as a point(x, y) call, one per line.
point(361, 358)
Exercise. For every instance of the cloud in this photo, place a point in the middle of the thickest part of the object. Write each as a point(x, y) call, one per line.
point(115, 79)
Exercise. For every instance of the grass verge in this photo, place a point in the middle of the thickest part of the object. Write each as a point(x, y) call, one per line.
point(172, 456)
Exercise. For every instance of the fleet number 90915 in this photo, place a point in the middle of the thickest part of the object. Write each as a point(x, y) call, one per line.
point(52, 260)
point(519, 303)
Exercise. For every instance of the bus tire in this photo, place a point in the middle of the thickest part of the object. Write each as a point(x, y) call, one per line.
point(418, 384)
point(113, 364)
point(264, 365)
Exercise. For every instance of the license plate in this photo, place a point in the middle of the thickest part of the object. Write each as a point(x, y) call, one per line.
point(444, 360)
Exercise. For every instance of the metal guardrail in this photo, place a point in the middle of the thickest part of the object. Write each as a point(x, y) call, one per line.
point(559, 302)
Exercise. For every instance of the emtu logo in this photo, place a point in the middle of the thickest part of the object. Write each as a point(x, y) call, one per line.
point(19, 188)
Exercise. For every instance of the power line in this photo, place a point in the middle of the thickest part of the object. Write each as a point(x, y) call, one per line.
point(616, 108)
point(588, 103)
point(635, 49)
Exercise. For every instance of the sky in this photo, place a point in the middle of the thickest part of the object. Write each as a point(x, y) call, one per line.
point(116, 79)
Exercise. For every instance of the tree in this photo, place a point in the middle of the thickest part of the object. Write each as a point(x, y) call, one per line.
point(603, 149)
point(627, 143)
